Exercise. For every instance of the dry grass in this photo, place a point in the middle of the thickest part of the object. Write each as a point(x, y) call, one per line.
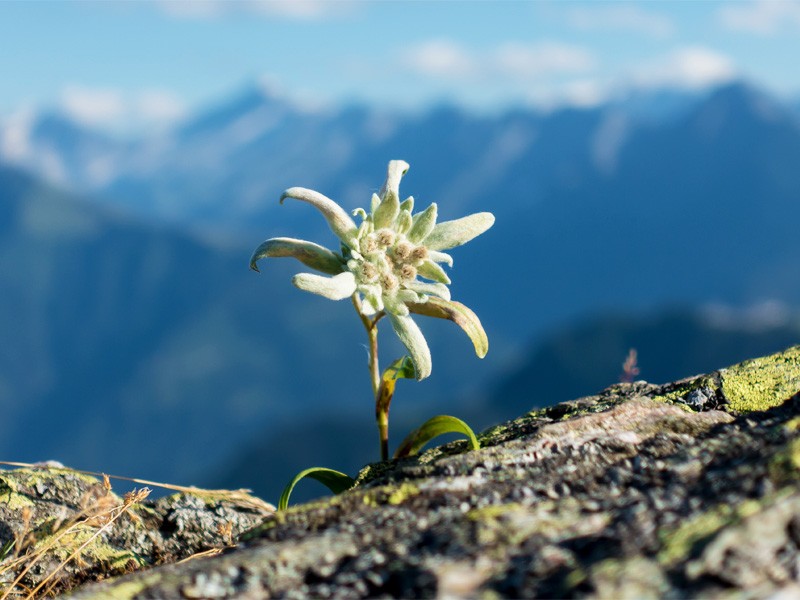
point(100, 512)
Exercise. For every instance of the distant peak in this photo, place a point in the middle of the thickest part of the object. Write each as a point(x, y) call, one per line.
point(742, 99)
point(269, 89)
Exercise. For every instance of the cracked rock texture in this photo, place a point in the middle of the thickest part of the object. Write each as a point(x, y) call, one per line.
point(63, 528)
point(684, 490)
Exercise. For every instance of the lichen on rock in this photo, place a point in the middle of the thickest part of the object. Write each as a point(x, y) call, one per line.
point(687, 489)
point(64, 527)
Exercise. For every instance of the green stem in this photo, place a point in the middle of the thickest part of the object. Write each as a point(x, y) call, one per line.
point(381, 408)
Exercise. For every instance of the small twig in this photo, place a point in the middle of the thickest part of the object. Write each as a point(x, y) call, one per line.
point(233, 494)
point(203, 554)
point(130, 499)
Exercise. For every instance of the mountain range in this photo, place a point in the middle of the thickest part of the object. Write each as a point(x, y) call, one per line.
point(135, 329)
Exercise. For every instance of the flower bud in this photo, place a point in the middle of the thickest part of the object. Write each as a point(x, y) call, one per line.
point(389, 282)
point(369, 244)
point(408, 272)
point(419, 253)
point(386, 237)
point(403, 251)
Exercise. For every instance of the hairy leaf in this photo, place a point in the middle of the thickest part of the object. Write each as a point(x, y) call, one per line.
point(310, 254)
point(412, 338)
point(424, 223)
point(450, 234)
point(460, 315)
point(338, 220)
point(338, 287)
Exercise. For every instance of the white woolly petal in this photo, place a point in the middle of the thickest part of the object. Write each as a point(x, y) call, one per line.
point(412, 338)
point(394, 173)
point(430, 289)
point(339, 221)
point(423, 224)
point(310, 254)
point(454, 233)
point(394, 305)
point(440, 257)
point(338, 287)
point(430, 270)
point(372, 301)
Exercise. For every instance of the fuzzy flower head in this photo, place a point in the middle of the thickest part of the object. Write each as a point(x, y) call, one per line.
point(391, 260)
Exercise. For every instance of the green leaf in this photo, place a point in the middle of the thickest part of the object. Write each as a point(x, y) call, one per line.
point(458, 314)
point(402, 368)
point(334, 480)
point(433, 428)
point(310, 254)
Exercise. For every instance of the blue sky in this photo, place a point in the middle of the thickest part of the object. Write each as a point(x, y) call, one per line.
point(155, 62)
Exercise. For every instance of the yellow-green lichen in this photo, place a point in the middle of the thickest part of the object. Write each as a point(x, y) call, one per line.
point(132, 588)
point(83, 540)
point(680, 543)
point(631, 578)
point(11, 497)
point(390, 494)
point(762, 383)
point(45, 475)
point(513, 523)
point(785, 465)
point(676, 394)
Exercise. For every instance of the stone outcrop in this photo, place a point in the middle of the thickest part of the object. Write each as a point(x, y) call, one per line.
point(60, 528)
point(690, 489)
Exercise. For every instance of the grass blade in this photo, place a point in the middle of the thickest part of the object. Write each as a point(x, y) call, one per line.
point(432, 428)
point(334, 480)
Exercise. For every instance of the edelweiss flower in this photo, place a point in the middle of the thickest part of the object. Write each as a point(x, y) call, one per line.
point(383, 259)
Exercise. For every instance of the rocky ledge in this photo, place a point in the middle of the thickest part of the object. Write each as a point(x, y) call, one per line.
point(690, 489)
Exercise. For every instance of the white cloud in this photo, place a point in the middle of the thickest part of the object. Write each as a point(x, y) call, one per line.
point(628, 17)
point(440, 58)
point(533, 60)
point(111, 108)
point(763, 17)
point(576, 93)
point(92, 106)
point(290, 9)
point(692, 67)
point(585, 93)
point(159, 106)
point(15, 132)
point(444, 58)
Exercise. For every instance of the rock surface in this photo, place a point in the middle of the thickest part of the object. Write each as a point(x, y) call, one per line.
point(690, 489)
point(60, 528)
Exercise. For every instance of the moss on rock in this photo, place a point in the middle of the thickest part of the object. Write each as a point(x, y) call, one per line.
point(762, 383)
point(687, 489)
